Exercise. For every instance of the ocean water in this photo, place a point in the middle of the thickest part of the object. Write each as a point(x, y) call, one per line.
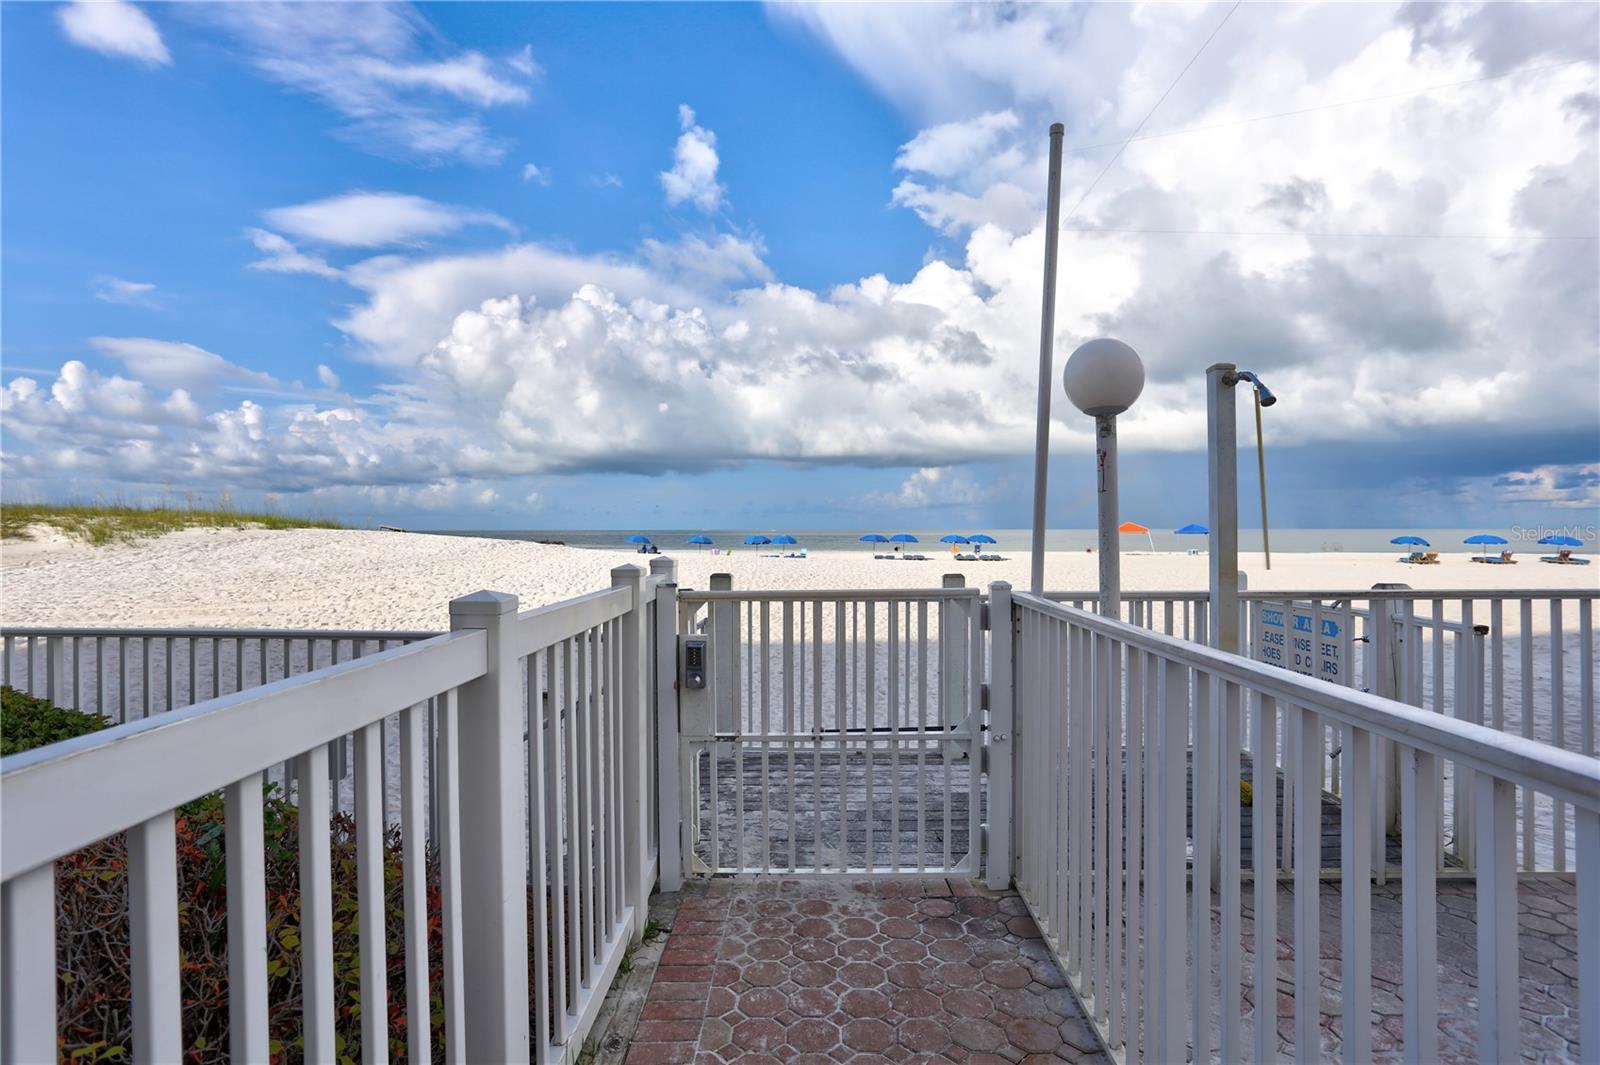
point(1523, 539)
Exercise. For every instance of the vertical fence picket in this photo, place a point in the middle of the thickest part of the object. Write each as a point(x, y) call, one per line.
point(1498, 993)
point(1419, 834)
point(1307, 889)
point(373, 946)
point(413, 822)
point(1264, 870)
point(153, 928)
point(1355, 895)
point(247, 923)
point(28, 966)
point(1168, 837)
point(1588, 944)
point(318, 1006)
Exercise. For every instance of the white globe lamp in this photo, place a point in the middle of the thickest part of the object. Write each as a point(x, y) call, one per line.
point(1103, 378)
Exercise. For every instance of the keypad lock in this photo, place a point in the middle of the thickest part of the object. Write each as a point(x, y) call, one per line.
point(694, 664)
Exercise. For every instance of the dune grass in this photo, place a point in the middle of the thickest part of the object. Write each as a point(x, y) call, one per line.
point(106, 523)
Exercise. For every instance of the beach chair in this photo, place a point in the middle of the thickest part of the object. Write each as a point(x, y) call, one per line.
point(1564, 557)
point(990, 558)
point(1431, 558)
point(966, 558)
point(1416, 558)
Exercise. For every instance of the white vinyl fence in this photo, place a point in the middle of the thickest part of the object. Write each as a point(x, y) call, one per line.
point(1517, 661)
point(544, 841)
point(1107, 853)
point(840, 732)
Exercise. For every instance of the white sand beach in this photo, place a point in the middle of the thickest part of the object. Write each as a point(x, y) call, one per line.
point(318, 578)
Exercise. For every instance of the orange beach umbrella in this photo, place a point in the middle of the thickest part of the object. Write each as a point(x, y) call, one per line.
point(1135, 527)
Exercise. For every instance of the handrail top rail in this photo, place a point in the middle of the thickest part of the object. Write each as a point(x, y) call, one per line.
point(544, 626)
point(1273, 594)
point(1565, 774)
point(796, 595)
point(86, 785)
point(218, 633)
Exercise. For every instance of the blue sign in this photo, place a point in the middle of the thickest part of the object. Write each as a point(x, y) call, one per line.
point(1298, 646)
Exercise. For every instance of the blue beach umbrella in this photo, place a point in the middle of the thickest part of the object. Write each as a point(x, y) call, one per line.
point(981, 538)
point(1562, 541)
point(874, 538)
point(638, 539)
point(702, 539)
point(784, 538)
point(1193, 529)
point(1484, 540)
point(903, 538)
point(952, 538)
point(1410, 541)
point(757, 540)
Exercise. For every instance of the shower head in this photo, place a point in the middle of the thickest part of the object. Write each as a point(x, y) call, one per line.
point(1262, 391)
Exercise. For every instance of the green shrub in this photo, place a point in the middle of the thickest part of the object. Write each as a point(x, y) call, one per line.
point(94, 987)
point(92, 941)
point(26, 722)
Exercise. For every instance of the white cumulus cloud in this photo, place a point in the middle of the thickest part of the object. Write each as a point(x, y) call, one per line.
point(115, 28)
point(693, 177)
point(1394, 272)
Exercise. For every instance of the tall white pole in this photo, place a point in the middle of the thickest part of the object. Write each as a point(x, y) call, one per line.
point(1222, 469)
point(1105, 435)
point(1047, 331)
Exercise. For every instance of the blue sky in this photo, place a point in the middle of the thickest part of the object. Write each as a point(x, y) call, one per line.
point(542, 265)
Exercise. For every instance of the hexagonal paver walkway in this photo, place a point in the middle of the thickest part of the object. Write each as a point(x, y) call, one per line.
point(832, 971)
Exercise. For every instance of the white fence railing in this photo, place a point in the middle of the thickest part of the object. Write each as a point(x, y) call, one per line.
point(125, 674)
point(1113, 723)
point(840, 731)
point(543, 847)
point(1518, 661)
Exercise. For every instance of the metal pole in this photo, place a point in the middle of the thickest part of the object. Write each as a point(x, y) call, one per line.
point(1261, 476)
point(1105, 435)
point(1222, 471)
point(1047, 331)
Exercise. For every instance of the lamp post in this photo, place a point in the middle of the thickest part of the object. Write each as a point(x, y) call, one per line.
point(1102, 379)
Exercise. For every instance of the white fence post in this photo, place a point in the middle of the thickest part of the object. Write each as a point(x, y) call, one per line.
point(953, 659)
point(669, 801)
point(1001, 716)
point(494, 911)
point(28, 966)
point(723, 629)
point(635, 737)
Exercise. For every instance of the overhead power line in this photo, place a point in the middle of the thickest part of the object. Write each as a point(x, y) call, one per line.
point(1310, 233)
point(1112, 161)
point(1231, 123)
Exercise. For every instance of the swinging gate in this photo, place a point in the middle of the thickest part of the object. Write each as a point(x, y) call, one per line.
point(825, 732)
